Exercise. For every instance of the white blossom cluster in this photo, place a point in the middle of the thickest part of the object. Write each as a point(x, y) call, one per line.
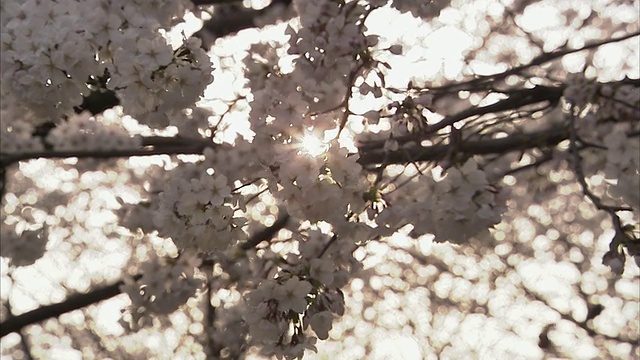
point(330, 34)
point(198, 211)
point(619, 101)
point(85, 132)
point(328, 41)
point(325, 183)
point(164, 286)
point(405, 116)
point(579, 92)
point(330, 44)
point(609, 114)
point(276, 305)
point(320, 188)
point(170, 85)
point(261, 61)
point(81, 132)
point(623, 166)
point(460, 205)
point(54, 54)
point(305, 293)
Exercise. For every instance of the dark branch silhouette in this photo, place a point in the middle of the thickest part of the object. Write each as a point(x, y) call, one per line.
point(514, 142)
point(79, 301)
point(73, 302)
point(229, 17)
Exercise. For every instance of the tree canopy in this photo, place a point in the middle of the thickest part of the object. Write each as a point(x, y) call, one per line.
point(380, 179)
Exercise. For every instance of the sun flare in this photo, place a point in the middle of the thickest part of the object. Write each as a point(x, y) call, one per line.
point(311, 145)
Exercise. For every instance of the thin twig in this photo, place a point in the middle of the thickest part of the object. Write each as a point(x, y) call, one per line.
point(538, 60)
point(327, 245)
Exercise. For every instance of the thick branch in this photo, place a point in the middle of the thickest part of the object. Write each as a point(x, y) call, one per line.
point(79, 301)
point(267, 233)
point(516, 100)
point(154, 145)
point(225, 23)
point(24, 341)
point(73, 302)
point(514, 142)
point(413, 153)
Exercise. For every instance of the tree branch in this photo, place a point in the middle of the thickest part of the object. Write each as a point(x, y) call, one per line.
point(518, 99)
point(267, 233)
point(24, 341)
point(73, 302)
point(79, 301)
point(514, 142)
point(371, 156)
point(224, 23)
point(581, 324)
point(154, 145)
point(538, 60)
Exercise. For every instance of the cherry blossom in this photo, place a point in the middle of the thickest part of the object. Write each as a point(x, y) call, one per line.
point(255, 185)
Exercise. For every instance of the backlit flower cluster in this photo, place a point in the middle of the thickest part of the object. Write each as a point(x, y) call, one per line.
point(609, 114)
point(85, 132)
point(330, 44)
point(164, 286)
point(198, 211)
point(172, 80)
point(304, 294)
point(292, 110)
point(623, 166)
point(320, 187)
point(54, 54)
point(460, 205)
